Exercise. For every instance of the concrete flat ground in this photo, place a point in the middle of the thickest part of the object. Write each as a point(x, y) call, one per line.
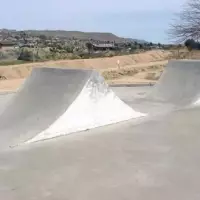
point(5, 97)
point(153, 159)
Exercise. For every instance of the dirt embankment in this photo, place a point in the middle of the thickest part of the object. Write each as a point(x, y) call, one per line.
point(116, 69)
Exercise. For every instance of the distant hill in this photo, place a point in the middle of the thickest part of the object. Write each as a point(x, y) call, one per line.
point(101, 36)
point(75, 34)
point(136, 40)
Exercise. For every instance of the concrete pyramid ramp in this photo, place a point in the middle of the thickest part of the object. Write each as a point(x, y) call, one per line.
point(54, 102)
point(179, 83)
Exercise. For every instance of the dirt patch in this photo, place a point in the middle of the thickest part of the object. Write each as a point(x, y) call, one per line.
point(116, 74)
point(10, 85)
point(136, 72)
point(130, 80)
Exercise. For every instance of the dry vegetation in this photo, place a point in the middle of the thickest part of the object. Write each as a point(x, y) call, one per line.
point(116, 74)
point(153, 76)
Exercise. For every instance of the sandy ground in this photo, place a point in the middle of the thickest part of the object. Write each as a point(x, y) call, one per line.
point(137, 68)
point(10, 85)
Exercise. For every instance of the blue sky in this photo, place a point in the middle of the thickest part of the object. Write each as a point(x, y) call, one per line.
point(140, 19)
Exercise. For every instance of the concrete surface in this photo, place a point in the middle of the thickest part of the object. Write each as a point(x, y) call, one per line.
point(96, 105)
point(178, 88)
point(158, 159)
point(152, 159)
point(5, 98)
point(137, 98)
point(179, 83)
point(54, 102)
point(39, 102)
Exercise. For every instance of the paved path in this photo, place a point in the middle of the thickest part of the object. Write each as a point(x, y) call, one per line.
point(158, 159)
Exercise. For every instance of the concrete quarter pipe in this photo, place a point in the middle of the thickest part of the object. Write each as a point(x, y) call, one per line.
point(179, 83)
point(54, 102)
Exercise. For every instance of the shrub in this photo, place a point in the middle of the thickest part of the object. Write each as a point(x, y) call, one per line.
point(26, 55)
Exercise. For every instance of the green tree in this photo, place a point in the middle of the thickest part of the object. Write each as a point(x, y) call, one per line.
point(191, 44)
point(69, 49)
point(26, 55)
point(17, 37)
point(141, 46)
point(43, 37)
point(89, 47)
point(24, 36)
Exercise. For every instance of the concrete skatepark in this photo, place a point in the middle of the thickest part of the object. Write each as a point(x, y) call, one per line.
point(132, 142)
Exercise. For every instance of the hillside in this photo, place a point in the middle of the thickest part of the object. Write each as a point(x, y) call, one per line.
point(75, 34)
point(98, 36)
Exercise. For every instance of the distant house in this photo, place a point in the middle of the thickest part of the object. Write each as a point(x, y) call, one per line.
point(5, 43)
point(104, 47)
